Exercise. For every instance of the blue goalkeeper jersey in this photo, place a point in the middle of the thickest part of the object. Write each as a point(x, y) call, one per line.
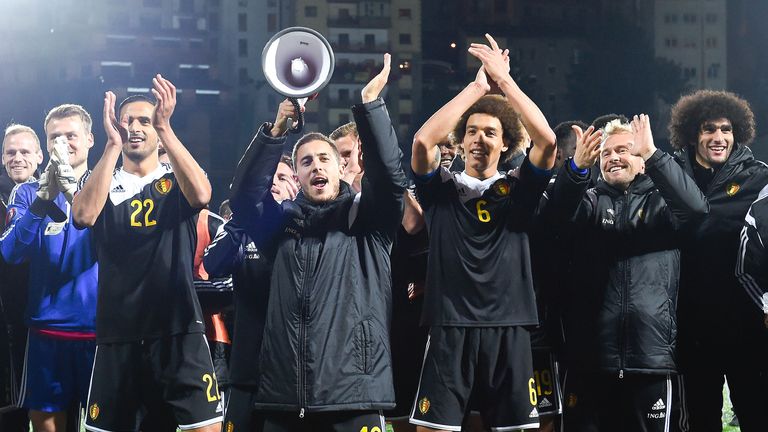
point(62, 262)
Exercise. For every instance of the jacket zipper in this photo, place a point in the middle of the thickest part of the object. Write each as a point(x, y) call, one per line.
point(302, 331)
point(625, 271)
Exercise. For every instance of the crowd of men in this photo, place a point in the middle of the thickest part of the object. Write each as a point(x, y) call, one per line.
point(518, 277)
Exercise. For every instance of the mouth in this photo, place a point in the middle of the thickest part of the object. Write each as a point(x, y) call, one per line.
point(478, 153)
point(717, 149)
point(615, 169)
point(319, 182)
point(136, 139)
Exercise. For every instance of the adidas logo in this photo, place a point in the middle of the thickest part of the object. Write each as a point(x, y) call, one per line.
point(534, 413)
point(544, 403)
point(219, 407)
point(659, 405)
point(117, 189)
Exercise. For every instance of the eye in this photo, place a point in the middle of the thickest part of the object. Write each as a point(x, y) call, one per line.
point(726, 129)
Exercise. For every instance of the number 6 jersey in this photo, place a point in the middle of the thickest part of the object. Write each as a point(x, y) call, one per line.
point(145, 238)
point(479, 267)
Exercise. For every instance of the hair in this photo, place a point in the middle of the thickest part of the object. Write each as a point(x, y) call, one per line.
point(15, 129)
point(136, 98)
point(313, 136)
point(691, 111)
point(603, 120)
point(69, 110)
point(615, 127)
point(225, 211)
point(286, 159)
point(344, 130)
point(563, 131)
point(496, 106)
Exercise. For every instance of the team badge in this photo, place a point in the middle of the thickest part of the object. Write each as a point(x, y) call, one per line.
point(501, 187)
point(732, 189)
point(640, 214)
point(424, 405)
point(164, 185)
point(230, 427)
point(571, 400)
point(93, 411)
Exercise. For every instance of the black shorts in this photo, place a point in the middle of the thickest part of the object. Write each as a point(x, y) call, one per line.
point(490, 364)
point(175, 370)
point(239, 414)
point(338, 421)
point(605, 402)
point(546, 379)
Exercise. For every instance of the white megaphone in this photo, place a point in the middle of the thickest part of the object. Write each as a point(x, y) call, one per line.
point(297, 62)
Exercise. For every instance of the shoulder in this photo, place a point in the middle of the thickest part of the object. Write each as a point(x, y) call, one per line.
point(23, 191)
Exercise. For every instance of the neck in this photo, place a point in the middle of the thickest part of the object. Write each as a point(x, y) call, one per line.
point(481, 174)
point(142, 167)
point(80, 170)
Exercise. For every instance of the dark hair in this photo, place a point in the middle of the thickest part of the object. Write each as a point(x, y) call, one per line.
point(600, 122)
point(136, 98)
point(692, 110)
point(496, 106)
point(286, 159)
point(314, 136)
point(563, 131)
point(225, 210)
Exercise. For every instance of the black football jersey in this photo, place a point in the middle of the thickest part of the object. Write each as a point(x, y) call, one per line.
point(479, 266)
point(146, 238)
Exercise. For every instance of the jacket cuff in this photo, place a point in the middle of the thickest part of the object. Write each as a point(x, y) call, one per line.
point(654, 159)
point(368, 106)
point(264, 136)
point(40, 207)
point(574, 172)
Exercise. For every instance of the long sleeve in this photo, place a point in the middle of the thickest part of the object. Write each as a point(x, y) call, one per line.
point(752, 259)
point(684, 198)
point(384, 182)
point(25, 214)
point(225, 253)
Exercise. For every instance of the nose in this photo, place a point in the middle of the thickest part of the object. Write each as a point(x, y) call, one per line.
point(718, 135)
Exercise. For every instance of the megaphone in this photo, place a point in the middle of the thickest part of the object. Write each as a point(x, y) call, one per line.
point(297, 62)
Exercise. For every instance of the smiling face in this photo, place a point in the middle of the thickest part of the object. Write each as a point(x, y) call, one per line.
point(78, 138)
point(617, 164)
point(21, 156)
point(319, 171)
point(483, 145)
point(448, 151)
point(715, 142)
point(142, 137)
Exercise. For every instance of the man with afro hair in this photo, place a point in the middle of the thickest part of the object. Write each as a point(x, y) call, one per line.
point(720, 332)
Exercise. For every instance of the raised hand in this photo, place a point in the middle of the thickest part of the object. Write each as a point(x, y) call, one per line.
point(495, 60)
point(286, 110)
point(47, 188)
point(481, 79)
point(373, 89)
point(165, 93)
point(62, 173)
point(587, 146)
point(117, 132)
point(643, 138)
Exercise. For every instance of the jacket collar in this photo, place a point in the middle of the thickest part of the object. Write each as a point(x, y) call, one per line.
point(309, 207)
point(640, 185)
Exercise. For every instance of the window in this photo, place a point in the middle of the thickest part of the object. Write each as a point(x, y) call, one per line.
point(713, 71)
point(690, 18)
point(711, 18)
point(213, 20)
point(310, 11)
point(403, 13)
point(670, 42)
point(343, 94)
point(242, 47)
point(242, 22)
point(271, 22)
point(186, 6)
point(343, 40)
point(370, 41)
point(243, 76)
point(405, 38)
point(404, 119)
point(711, 42)
point(343, 118)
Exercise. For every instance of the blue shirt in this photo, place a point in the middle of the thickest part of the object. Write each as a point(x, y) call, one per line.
point(63, 269)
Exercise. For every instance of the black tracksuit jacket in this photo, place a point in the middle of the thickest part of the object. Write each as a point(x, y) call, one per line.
point(619, 314)
point(326, 337)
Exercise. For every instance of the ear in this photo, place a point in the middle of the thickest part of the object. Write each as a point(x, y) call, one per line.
point(40, 157)
point(90, 139)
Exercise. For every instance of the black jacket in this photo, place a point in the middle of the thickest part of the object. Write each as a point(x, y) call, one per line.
point(713, 306)
point(620, 304)
point(326, 339)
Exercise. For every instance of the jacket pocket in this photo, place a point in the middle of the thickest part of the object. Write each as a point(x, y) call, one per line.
point(364, 346)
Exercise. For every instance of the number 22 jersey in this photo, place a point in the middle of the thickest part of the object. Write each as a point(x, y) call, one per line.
point(479, 265)
point(145, 238)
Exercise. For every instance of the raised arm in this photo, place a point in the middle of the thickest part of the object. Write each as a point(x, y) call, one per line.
point(684, 198)
point(193, 182)
point(496, 65)
point(425, 154)
point(88, 203)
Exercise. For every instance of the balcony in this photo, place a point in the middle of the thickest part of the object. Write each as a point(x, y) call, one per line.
point(360, 47)
point(360, 22)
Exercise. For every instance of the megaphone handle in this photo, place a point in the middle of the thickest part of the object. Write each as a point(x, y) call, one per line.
point(300, 120)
